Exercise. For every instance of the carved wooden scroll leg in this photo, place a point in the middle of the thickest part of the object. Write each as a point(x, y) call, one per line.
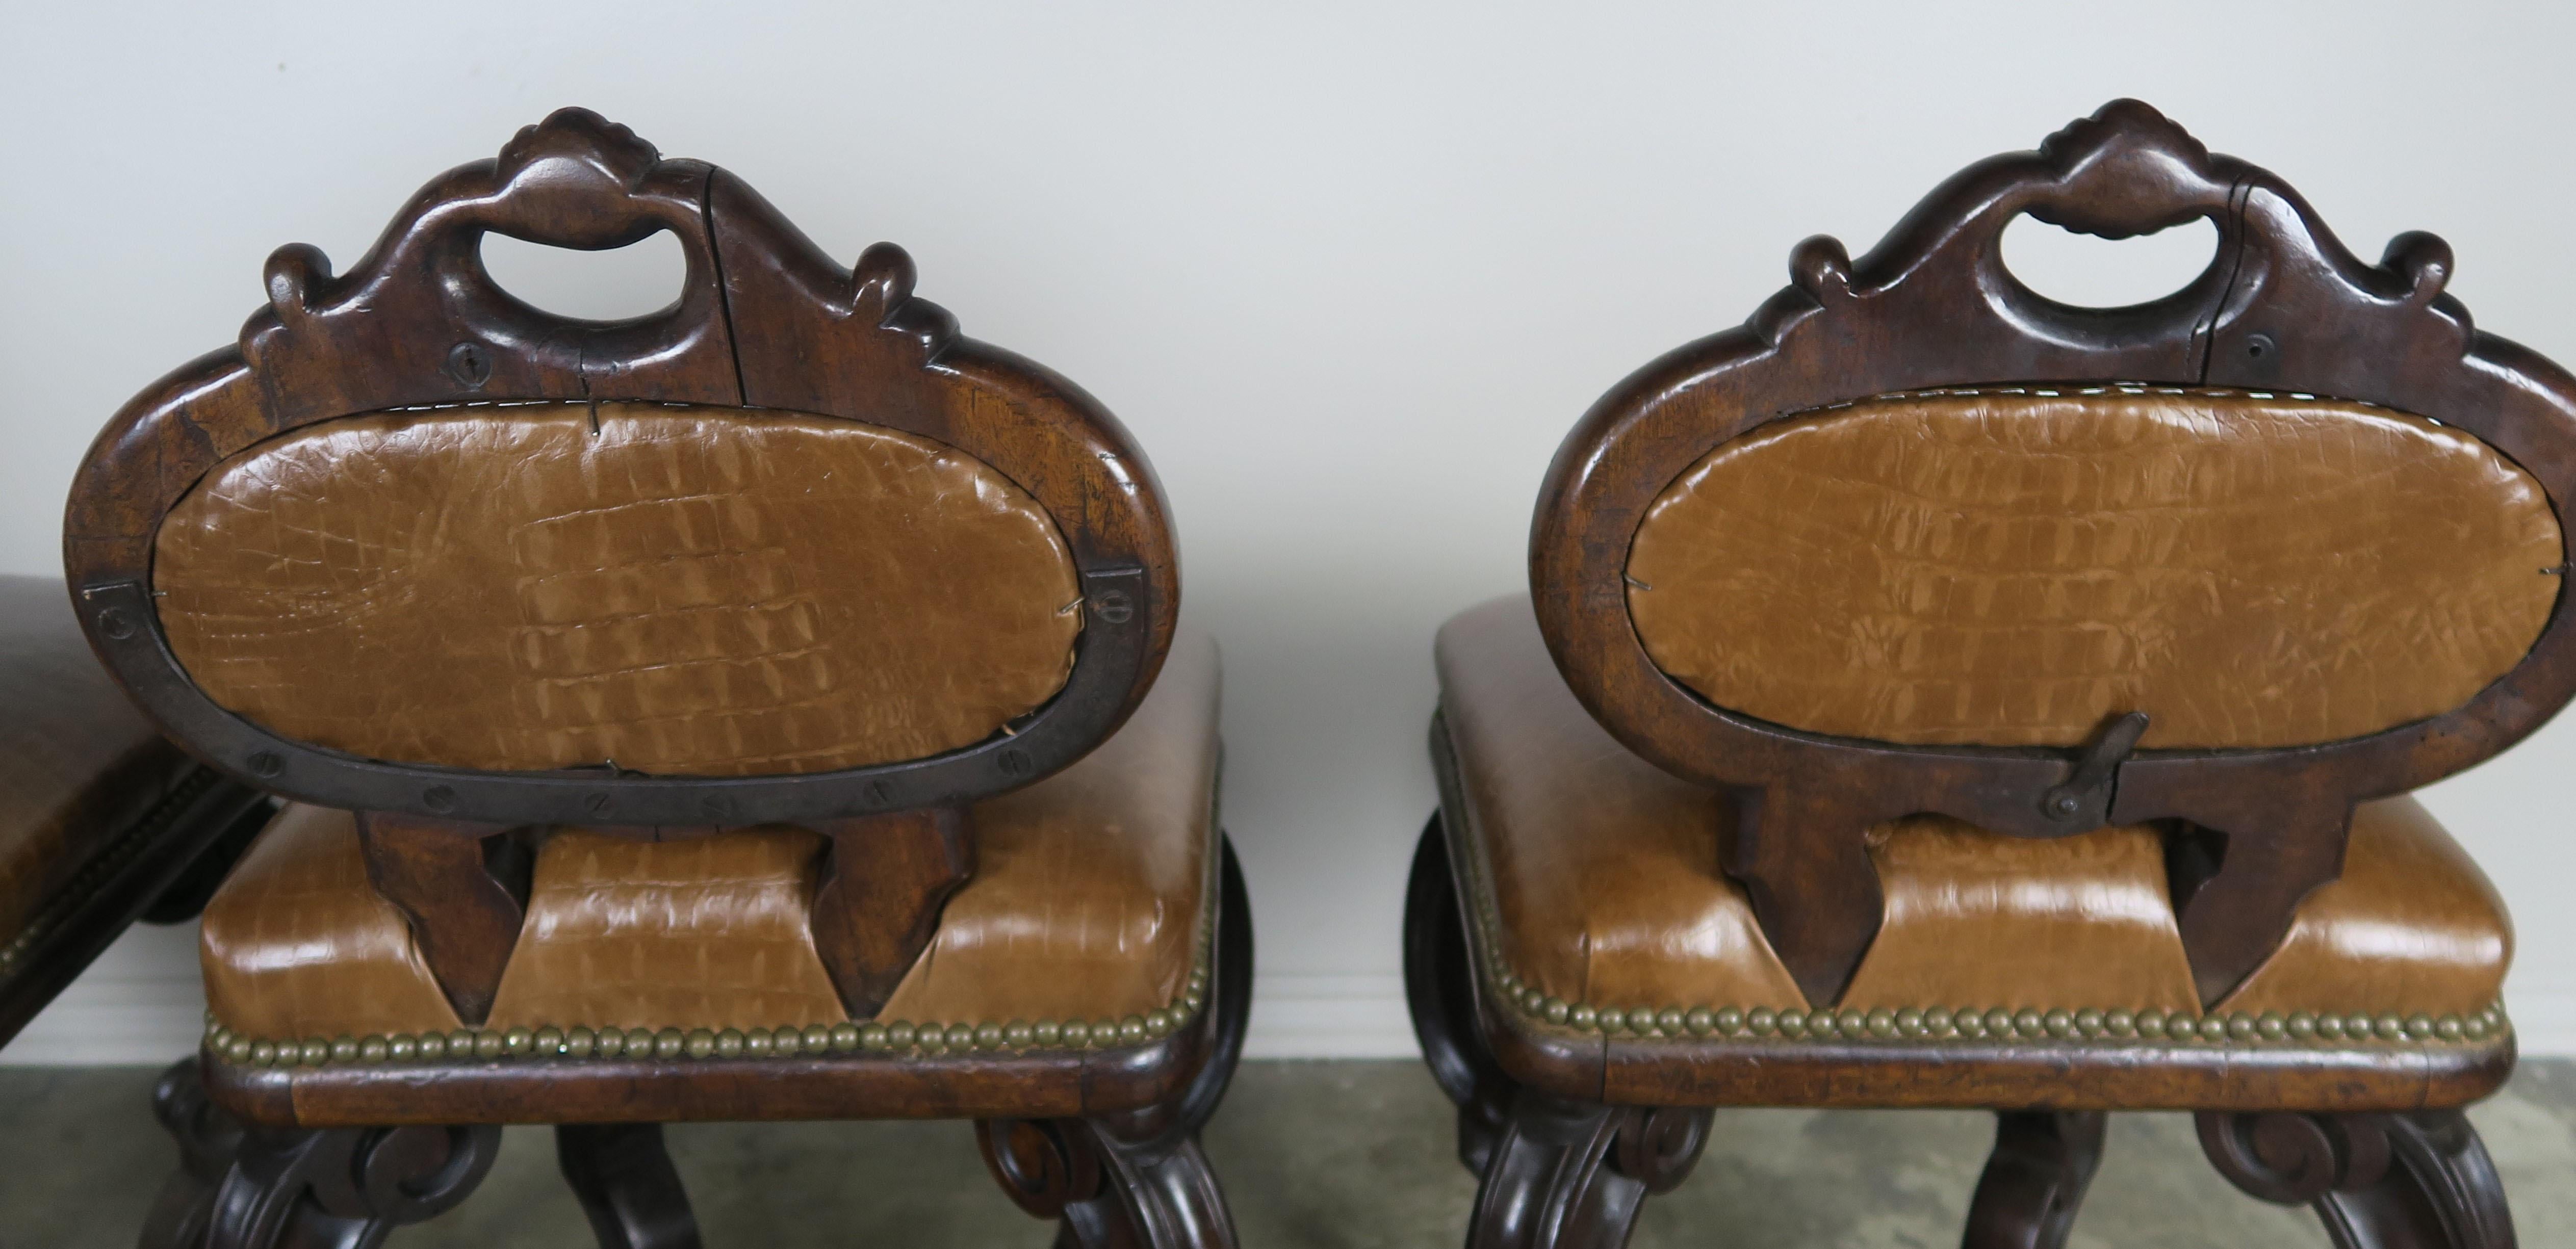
point(884, 880)
point(1110, 1192)
point(2418, 1180)
point(1804, 864)
point(208, 1138)
point(1572, 1175)
point(464, 892)
point(2236, 918)
point(244, 1187)
point(1139, 1180)
point(627, 1185)
point(1439, 987)
point(2035, 1179)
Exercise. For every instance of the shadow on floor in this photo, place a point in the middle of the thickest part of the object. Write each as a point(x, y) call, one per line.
point(1328, 1155)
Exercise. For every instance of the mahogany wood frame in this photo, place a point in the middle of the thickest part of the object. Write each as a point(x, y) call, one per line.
point(1852, 1074)
point(2282, 306)
point(1569, 1136)
point(1571, 1130)
point(764, 320)
point(1105, 1143)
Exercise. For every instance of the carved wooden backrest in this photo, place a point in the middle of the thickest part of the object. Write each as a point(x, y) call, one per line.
point(1918, 539)
point(790, 550)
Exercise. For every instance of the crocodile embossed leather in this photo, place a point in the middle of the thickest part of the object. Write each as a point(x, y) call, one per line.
point(677, 590)
point(1087, 901)
point(2009, 567)
point(1929, 694)
point(772, 707)
point(1605, 881)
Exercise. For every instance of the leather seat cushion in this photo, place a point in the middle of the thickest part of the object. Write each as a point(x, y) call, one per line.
point(1087, 904)
point(78, 765)
point(1602, 897)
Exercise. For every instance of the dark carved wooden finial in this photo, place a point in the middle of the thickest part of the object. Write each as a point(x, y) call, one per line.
point(2125, 171)
point(583, 137)
point(2422, 261)
point(881, 296)
point(1821, 267)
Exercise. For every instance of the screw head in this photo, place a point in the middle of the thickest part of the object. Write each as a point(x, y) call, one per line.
point(2063, 805)
point(1016, 762)
point(438, 798)
point(116, 624)
point(470, 365)
point(1114, 606)
point(265, 764)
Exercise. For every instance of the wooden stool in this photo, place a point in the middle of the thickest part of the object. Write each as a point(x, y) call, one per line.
point(1933, 695)
point(747, 711)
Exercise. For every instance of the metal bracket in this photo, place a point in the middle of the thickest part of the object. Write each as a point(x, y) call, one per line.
point(2088, 791)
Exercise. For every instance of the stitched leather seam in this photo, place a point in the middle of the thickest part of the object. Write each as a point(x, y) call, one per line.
point(2111, 1027)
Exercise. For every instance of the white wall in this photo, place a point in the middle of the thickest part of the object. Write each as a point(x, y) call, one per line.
point(1349, 275)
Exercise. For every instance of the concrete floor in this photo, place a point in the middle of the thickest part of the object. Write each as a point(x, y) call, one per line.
point(1334, 1155)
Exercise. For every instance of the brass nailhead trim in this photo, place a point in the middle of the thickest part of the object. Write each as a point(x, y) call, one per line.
point(2109, 1027)
point(93, 876)
point(892, 1039)
point(898, 1038)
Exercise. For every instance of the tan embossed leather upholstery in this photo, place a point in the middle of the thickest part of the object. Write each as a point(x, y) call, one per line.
point(1604, 878)
point(678, 590)
point(2009, 568)
point(2411, 920)
point(296, 933)
point(1086, 903)
point(633, 933)
point(77, 763)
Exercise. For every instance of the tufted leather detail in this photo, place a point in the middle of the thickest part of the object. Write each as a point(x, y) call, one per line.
point(296, 935)
point(77, 763)
point(1972, 918)
point(680, 590)
point(1605, 889)
point(2008, 568)
point(1086, 903)
point(2411, 920)
point(638, 934)
point(1088, 886)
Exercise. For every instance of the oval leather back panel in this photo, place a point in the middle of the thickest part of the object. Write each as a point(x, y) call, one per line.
point(2010, 567)
point(685, 591)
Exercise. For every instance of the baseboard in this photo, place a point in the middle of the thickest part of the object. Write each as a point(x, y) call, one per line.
point(2544, 1019)
point(98, 1023)
point(155, 1018)
point(1321, 1016)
